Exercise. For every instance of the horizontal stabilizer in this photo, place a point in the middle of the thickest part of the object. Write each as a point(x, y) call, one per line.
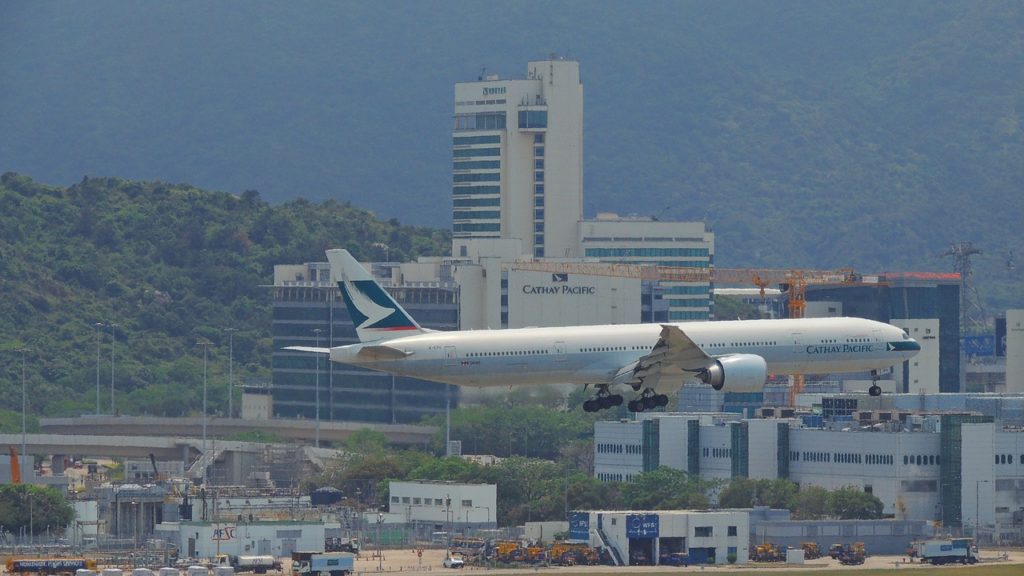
point(382, 352)
point(308, 349)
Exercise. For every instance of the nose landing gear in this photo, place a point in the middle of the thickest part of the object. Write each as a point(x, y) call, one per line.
point(875, 389)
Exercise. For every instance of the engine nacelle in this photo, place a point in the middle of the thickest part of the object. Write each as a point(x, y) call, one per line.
point(740, 372)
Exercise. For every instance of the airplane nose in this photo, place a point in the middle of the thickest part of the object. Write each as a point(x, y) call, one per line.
point(913, 345)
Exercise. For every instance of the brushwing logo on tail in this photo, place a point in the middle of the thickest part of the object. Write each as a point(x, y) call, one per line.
point(364, 299)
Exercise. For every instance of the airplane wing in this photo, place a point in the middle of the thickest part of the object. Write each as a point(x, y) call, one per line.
point(376, 352)
point(308, 349)
point(667, 364)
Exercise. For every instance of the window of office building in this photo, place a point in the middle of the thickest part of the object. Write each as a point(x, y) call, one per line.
point(533, 119)
point(480, 121)
point(469, 140)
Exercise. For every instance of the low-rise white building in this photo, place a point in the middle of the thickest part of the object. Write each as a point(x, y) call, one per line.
point(647, 538)
point(443, 504)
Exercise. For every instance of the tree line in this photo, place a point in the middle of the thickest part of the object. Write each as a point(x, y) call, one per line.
point(541, 488)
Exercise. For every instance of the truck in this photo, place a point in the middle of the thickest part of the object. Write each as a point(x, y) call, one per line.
point(50, 565)
point(946, 551)
point(323, 563)
point(848, 555)
point(259, 564)
point(335, 544)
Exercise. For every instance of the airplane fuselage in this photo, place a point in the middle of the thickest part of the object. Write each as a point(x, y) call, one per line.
point(594, 354)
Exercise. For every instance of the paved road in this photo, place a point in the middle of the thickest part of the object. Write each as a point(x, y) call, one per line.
point(407, 561)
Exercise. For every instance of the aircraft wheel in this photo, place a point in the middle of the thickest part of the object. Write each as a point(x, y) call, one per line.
point(588, 406)
point(635, 406)
point(661, 400)
point(616, 400)
point(875, 390)
point(650, 402)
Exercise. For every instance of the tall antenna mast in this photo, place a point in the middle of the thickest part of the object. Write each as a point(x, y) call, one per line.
point(972, 313)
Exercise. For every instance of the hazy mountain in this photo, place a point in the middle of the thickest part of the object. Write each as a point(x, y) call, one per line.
point(809, 134)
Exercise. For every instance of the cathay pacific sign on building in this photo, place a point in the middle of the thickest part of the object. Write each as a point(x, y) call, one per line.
point(560, 299)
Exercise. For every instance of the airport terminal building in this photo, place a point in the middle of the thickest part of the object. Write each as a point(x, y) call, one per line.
point(965, 471)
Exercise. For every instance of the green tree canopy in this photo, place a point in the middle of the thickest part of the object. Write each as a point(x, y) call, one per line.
point(518, 430)
point(852, 503)
point(810, 503)
point(666, 489)
point(746, 493)
point(36, 508)
point(366, 441)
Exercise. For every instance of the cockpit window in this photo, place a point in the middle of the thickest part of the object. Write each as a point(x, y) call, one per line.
point(905, 335)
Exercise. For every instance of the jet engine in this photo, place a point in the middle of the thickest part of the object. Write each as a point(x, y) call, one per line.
point(737, 372)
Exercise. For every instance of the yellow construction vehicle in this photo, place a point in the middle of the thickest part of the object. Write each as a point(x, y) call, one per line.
point(811, 550)
point(768, 552)
point(505, 549)
point(571, 553)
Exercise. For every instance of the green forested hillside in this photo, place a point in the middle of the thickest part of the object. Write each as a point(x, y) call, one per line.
point(169, 265)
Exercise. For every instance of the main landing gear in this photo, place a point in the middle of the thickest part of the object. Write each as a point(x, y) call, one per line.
point(647, 400)
point(875, 389)
point(603, 400)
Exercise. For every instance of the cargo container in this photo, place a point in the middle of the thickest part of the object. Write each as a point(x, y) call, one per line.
point(946, 551)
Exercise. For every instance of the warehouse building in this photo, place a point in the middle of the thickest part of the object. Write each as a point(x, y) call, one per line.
point(649, 538)
point(964, 471)
point(435, 506)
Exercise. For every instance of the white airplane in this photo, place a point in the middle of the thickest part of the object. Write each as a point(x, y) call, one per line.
point(652, 359)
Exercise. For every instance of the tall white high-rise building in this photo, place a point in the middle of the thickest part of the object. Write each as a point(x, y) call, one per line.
point(518, 160)
point(1015, 352)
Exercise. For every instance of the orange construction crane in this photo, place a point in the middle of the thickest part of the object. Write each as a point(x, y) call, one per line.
point(15, 466)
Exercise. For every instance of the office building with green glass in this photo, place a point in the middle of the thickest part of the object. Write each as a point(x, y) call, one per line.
point(308, 311)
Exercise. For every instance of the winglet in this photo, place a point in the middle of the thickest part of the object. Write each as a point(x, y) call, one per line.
point(376, 315)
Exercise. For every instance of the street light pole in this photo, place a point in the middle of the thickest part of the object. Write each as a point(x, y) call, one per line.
point(977, 508)
point(98, 325)
point(231, 370)
point(380, 553)
point(316, 442)
point(448, 519)
point(205, 344)
point(113, 340)
point(24, 399)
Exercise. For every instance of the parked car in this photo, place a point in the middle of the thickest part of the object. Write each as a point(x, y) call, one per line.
point(453, 562)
